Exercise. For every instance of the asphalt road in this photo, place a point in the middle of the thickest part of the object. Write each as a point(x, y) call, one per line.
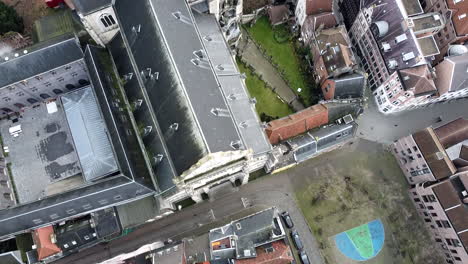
point(377, 127)
point(274, 190)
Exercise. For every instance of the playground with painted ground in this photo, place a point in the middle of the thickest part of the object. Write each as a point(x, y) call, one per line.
point(356, 204)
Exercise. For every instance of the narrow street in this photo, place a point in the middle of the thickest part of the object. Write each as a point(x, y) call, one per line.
point(273, 190)
point(377, 127)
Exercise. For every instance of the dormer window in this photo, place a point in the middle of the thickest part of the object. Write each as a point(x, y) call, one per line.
point(107, 20)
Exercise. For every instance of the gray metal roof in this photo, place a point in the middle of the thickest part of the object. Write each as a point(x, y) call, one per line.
point(88, 6)
point(459, 75)
point(349, 86)
point(38, 61)
point(388, 11)
point(89, 134)
point(125, 144)
point(329, 136)
point(84, 200)
point(233, 86)
point(251, 231)
point(12, 257)
point(185, 94)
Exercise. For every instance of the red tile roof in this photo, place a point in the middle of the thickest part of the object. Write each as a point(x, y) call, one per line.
point(318, 6)
point(419, 79)
point(296, 124)
point(42, 240)
point(313, 22)
point(459, 21)
point(281, 254)
point(453, 132)
point(278, 14)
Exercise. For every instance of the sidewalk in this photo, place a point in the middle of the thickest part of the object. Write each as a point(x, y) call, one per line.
point(252, 56)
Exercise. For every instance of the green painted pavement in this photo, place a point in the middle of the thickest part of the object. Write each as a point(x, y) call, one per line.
point(362, 240)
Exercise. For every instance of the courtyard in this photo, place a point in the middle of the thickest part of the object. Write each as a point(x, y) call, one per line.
point(359, 194)
point(268, 103)
point(278, 44)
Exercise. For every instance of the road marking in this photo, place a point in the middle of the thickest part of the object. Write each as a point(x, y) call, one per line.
point(212, 216)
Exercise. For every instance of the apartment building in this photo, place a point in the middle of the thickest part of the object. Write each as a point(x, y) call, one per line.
point(393, 35)
point(432, 154)
point(434, 162)
point(306, 8)
point(456, 26)
point(443, 206)
point(315, 23)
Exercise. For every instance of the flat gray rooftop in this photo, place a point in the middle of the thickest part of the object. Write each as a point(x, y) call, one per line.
point(428, 46)
point(42, 154)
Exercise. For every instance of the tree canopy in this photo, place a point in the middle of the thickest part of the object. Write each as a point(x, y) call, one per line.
point(9, 19)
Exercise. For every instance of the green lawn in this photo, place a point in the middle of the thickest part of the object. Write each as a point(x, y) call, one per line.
point(352, 186)
point(267, 101)
point(283, 54)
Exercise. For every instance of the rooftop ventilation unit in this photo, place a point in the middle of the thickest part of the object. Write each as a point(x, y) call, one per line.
point(379, 28)
point(199, 54)
point(174, 126)
point(457, 50)
point(386, 47)
point(408, 56)
point(236, 144)
point(392, 64)
point(158, 158)
point(401, 38)
point(440, 155)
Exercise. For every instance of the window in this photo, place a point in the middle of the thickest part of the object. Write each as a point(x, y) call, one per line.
point(44, 96)
point(430, 207)
point(453, 251)
point(446, 224)
point(431, 198)
point(427, 220)
point(57, 91)
point(107, 20)
point(70, 86)
point(439, 224)
point(457, 259)
point(32, 100)
point(449, 241)
point(20, 106)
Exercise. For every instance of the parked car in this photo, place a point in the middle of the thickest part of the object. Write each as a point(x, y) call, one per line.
point(304, 258)
point(287, 219)
point(297, 240)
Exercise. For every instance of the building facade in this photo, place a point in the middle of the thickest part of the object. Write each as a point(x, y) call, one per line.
point(398, 63)
point(199, 145)
point(455, 30)
point(433, 161)
point(442, 205)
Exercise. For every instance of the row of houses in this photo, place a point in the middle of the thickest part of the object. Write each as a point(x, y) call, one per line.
point(412, 51)
point(435, 163)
